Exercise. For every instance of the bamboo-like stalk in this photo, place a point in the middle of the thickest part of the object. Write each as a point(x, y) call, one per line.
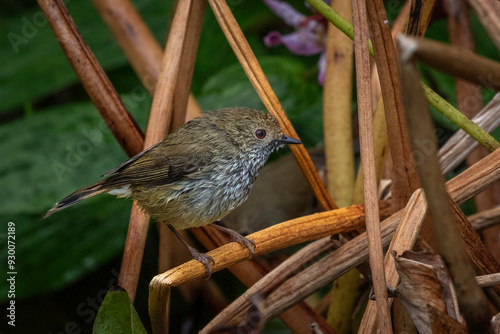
point(472, 300)
point(259, 81)
point(188, 56)
point(92, 76)
point(158, 126)
point(362, 61)
point(380, 135)
point(337, 125)
point(337, 99)
point(181, 92)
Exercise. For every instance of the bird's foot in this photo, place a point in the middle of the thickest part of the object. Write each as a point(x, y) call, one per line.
point(236, 237)
point(198, 256)
point(203, 259)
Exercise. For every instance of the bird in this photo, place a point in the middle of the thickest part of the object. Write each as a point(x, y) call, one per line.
point(198, 174)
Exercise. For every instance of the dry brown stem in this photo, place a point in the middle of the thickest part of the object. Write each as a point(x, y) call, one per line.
point(276, 237)
point(269, 282)
point(488, 12)
point(297, 318)
point(136, 40)
point(418, 21)
point(404, 238)
point(92, 76)
point(405, 179)
point(460, 145)
point(362, 61)
point(488, 280)
point(456, 61)
point(485, 219)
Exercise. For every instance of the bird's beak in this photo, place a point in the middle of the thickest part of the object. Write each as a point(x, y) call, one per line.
point(288, 140)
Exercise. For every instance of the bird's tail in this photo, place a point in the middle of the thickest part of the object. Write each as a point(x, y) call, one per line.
point(79, 195)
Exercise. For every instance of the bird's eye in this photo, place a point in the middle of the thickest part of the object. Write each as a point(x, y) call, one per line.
point(261, 134)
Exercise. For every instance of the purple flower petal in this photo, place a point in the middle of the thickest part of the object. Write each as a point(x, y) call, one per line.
point(273, 38)
point(286, 12)
point(322, 68)
point(303, 42)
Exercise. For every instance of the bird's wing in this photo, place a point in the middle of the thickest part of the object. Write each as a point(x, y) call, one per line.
point(129, 161)
point(161, 164)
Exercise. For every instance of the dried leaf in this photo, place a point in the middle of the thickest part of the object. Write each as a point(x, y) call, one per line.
point(419, 289)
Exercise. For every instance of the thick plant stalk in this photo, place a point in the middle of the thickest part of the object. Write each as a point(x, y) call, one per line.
point(337, 125)
point(158, 126)
point(368, 162)
point(337, 97)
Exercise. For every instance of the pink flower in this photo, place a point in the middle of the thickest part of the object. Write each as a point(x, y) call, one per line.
point(309, 37)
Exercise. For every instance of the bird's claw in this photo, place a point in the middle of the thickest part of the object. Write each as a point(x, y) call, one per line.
point(203, 259)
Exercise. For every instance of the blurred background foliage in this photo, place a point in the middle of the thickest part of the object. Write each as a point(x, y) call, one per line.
point(53, 141)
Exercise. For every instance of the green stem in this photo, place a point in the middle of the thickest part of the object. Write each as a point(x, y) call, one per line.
point(475, 131)
point(445, 108)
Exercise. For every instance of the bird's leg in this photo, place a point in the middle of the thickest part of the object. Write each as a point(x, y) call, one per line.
point(200, 257)
point(235, 236)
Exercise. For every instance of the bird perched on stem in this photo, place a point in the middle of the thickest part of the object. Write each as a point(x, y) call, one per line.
point(197, 174)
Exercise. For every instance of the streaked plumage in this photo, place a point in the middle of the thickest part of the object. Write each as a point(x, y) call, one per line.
point(197, 174)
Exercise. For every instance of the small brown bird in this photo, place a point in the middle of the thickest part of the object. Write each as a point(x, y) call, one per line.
point(197, 174)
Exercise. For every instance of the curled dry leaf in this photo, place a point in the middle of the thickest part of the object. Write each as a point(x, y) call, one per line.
point(425, 284)
point(442, 323)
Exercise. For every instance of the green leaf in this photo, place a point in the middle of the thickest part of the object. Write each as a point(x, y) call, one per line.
point(117, 315)
point(37, 66)
point(49, 155)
